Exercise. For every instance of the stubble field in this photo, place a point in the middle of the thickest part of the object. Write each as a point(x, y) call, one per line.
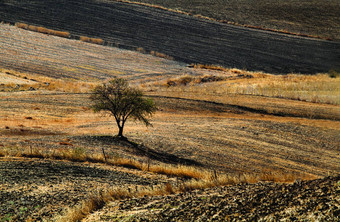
point(45, 109)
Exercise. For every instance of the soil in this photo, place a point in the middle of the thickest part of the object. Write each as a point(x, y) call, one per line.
point(239, 140)
point(40, 189)
point(229, 134)
point(185, 38)
point(298, 16)
point(62, 58)
point(317, 200)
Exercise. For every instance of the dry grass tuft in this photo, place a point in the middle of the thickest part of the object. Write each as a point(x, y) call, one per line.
point(210, 67)
point(178, 171)
point(91, 40)
point(128, 163)
point(21, 25)
point(2, 153)
point(161, 55)
point(169, 189)
point(141, 50)
point(47, 83)
point(43, 30)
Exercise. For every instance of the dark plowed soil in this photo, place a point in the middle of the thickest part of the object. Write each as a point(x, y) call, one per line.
point(316, 200)
point(39, 189)
point(183, 37)
point(311, 17)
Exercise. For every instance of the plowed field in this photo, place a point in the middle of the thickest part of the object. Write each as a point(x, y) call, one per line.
point(183, 37)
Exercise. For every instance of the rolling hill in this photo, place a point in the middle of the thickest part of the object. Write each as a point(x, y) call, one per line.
point(183, 37)
point(226, 144)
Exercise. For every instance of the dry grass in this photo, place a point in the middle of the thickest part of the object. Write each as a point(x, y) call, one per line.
point(91, 40)
point(21, 25)
point(314, 88)
point(46, 83)
point(161, 55)
point(77, 154)
point(207, 66)
point(178, 171)
point(206, 177)
point(43, 30)
point(321, 88)
point(96, 202)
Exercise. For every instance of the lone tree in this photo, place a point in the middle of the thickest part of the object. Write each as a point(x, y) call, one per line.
point(117, 97)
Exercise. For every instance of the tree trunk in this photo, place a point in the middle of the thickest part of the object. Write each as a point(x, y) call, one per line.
point(120, 133)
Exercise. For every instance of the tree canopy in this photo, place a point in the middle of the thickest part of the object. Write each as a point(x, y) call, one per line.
point(123, 102)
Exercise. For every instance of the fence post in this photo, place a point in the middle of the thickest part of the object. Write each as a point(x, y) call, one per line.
point(104, 154)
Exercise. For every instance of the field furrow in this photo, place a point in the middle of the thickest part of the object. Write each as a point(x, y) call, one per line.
point(185, 38)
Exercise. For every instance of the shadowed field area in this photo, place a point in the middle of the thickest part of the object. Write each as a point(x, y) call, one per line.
point(311, 17)
point(40, 189)
point(183, 37)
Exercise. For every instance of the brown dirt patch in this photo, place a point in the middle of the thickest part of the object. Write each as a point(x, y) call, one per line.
point(39, 189)
point(306, 200)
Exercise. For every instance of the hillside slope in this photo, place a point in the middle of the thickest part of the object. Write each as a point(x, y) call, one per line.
point(316, 200)
point(183, 37)
point(311, 17)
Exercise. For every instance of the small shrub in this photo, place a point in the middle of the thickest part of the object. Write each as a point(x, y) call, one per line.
point(171, 83)
point(333, 73)
point(161, 55)
point(210, 78)
point(185, 80)
point(141, 50)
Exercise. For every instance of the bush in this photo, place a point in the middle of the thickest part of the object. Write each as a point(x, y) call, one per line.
point(333, 73)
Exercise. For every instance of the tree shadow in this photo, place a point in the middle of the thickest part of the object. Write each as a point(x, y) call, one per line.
point(143, 150)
